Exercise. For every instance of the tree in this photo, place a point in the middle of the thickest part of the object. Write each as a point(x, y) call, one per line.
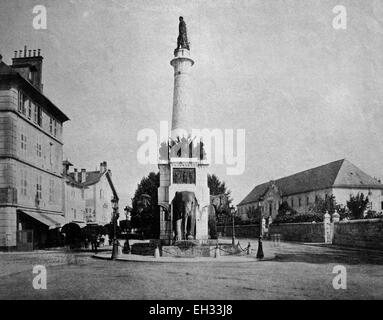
point(145, 215)
point(254, 214)
point(357, 205)
point(218, 187)
point(285, 213)
point(328, 204)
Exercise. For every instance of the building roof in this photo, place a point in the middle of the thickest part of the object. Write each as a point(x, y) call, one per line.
point(92, 177)
point(70, 180)
point(340, 173)
point(8, 72)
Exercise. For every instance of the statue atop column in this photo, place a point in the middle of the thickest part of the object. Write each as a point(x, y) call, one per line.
point(182, 41)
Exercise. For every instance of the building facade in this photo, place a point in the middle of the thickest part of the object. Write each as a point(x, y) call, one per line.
point(339, 178)
point(31, 148)
point(73, 197)
point(88, 196)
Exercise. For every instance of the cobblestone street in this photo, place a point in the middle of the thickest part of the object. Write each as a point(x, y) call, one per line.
point(298, 271)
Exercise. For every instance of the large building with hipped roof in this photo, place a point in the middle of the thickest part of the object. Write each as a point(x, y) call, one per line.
point(339, 178)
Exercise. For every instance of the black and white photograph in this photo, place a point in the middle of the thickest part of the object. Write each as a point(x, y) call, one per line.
point(201, 150)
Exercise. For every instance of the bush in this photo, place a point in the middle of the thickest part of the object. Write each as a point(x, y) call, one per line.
point(288, 215)
point(357, 206)
point(373, 215)
point(296, 217)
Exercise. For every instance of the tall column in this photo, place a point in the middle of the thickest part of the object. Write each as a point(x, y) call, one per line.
point(182, 117)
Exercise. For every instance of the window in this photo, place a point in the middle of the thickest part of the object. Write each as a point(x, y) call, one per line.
point(55, 128)
point(307, 200)
point(100, 193)
point(38, 150)
point(381, 206)
point(39, 116)
point(35, 114)
point(299, 202)
point(24, 183)
point(51, 190)
point(39, 188)
point(25, 105)
point(22, 102)
point(23, 142)
point(30, 109)
point(50, 125)
point(292, 203)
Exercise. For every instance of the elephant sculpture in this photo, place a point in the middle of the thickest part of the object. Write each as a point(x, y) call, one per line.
point(184, 207)
point(217, 203)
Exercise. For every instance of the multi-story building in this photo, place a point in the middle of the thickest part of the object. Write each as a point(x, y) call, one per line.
point(74, 196)
point(95, 190)
point(31, 148)
point(339, 178)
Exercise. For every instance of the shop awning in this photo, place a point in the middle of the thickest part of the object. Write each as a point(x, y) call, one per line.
point(52, 221)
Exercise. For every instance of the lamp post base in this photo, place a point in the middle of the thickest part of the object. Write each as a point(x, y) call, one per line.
point(126, 247)
point(115, 249)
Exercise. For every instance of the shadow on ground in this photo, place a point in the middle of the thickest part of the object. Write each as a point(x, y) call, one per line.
point(329, 255)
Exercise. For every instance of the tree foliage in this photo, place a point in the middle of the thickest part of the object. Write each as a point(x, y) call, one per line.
point(218, 187)
point(286, 214)
point(145, 209)
point(328, 204)
point(357, 206)
point(254, 215)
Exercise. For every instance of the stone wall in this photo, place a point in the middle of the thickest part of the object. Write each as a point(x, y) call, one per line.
point(366, 233)
point(245, 231)
point(302, 232)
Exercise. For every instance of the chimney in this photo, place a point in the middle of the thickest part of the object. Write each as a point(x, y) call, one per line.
point(26, 64)
point(66, 165)
point(83, 175)
point(75, 175)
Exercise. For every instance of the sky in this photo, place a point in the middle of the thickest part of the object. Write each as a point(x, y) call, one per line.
point(305, 93)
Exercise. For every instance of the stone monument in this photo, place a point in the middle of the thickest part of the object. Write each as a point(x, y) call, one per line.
point(183, 195)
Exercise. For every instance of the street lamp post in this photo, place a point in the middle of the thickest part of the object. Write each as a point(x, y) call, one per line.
point(128, 218)
point(260, 254)
point(232, 211)
point(115, 218)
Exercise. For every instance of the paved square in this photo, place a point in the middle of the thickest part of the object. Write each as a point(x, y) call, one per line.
point(299, 271)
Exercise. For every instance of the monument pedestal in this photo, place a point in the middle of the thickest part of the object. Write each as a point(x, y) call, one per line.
point(178, 175)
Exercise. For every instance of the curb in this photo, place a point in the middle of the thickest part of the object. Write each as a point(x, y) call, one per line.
point(150, 259)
